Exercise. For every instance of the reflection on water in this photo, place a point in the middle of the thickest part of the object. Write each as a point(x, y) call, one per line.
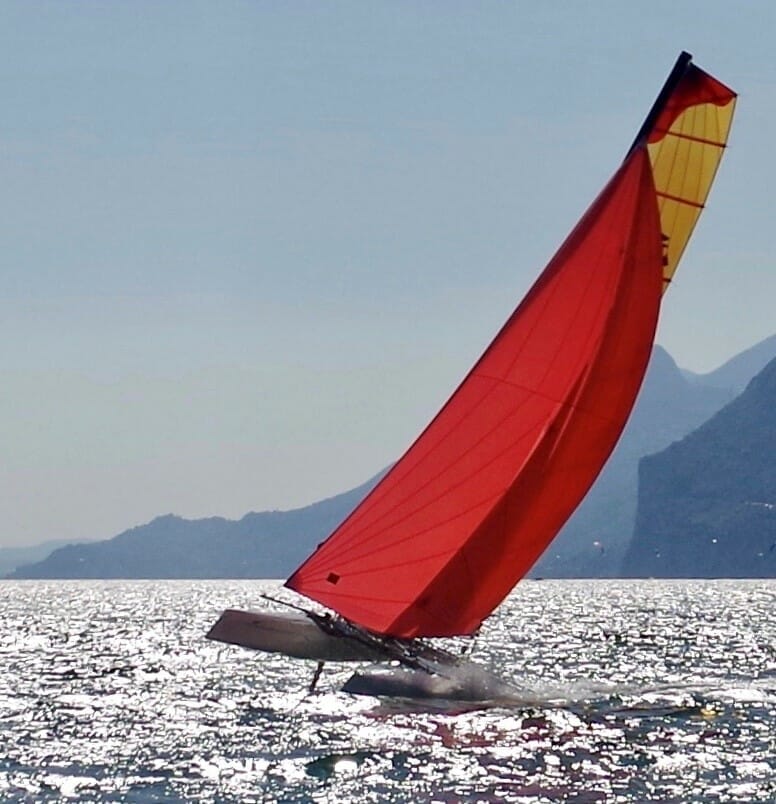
point(633, 691)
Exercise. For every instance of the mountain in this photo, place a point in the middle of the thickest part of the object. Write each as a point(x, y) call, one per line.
point(736, 373)
point(707, 504)
point(270, 544)
point(593, 542)
point(260, 545)
point(13, 557)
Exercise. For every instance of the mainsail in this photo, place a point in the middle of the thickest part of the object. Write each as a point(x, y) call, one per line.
point(468, 509)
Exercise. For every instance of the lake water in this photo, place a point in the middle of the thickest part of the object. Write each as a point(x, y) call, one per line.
point(634, 691)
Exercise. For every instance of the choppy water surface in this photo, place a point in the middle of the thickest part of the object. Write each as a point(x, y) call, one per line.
point(634, 691)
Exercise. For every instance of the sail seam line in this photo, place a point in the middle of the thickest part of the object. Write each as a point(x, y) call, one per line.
point(333, 593)
point(562, 403)
point(409, 514)
point(360, 527)
point(382, 567)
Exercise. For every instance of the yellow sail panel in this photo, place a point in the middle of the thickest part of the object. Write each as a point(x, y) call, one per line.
point(685, 148)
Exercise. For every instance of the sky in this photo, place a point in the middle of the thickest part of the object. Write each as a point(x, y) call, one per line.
point(249, 249)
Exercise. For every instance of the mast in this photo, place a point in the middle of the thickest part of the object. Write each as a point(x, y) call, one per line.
point(674, 77)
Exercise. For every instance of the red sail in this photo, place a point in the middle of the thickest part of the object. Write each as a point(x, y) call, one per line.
point(463, 515)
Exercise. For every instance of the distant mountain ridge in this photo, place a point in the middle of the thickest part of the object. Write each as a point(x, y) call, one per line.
point(593, 544)
point(707, 504)
point(736, 373)
point(12, 557)
point(260, 545)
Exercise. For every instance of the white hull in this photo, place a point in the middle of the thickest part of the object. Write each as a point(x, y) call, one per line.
point(466, 681)
point(292, 634)
point(297, 635)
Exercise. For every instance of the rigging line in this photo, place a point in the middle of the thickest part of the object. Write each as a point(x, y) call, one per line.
point(468, 647)
point(414, 652)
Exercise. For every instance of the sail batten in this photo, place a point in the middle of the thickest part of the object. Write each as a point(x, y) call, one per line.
point(465, 512)
point(680, 200)
point(692, 138)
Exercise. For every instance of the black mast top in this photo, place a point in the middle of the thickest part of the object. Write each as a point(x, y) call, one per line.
point(675, 76)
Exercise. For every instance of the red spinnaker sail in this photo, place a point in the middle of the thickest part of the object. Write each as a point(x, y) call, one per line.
point(464, 514)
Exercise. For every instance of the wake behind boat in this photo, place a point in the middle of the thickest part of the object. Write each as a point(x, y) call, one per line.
point(452, 527)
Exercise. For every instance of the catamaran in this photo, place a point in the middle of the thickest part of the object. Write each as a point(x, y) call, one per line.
point(462, 516)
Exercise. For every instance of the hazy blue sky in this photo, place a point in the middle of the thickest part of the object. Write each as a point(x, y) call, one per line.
point(248, 249)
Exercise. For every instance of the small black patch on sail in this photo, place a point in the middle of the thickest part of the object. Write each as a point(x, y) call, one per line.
point(332, 577)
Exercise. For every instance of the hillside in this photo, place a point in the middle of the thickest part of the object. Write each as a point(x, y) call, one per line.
point(260, 545)
point(707, 504)
point(12, 557)
point(735, 374)
point(594, 541)
point(272, 543)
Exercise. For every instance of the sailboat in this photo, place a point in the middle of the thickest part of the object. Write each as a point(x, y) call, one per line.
point(462, 516)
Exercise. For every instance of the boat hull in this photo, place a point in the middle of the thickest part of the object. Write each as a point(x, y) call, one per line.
point(297, 635)
point(466, 682)
point(291, 634)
